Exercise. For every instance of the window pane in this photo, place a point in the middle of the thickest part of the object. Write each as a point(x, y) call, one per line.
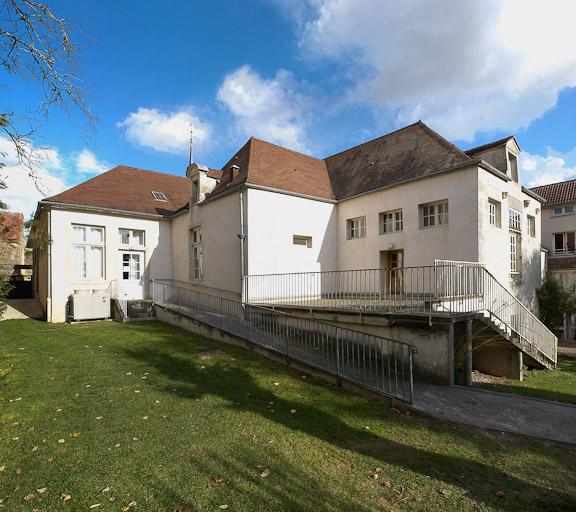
point(96, 236)
point(570, 242)
point(138, 237)
point(124, 236)
point(79, 261)
point(95, 262)
point(568, 209)
point(557, 211)
point(79, 234)
point(558, 242)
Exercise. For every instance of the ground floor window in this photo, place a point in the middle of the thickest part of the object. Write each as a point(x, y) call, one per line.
point(88, 252)
point(515, 253)
point(195, 254)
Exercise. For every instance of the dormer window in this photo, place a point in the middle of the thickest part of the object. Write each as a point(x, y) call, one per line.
point(159, 196)
point(513, 160)
point(195, 191)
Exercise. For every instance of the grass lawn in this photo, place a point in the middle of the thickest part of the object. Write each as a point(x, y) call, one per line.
point(558, 385)
point(145, 417)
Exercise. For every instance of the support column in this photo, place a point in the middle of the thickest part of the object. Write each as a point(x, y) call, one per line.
point(469, 350)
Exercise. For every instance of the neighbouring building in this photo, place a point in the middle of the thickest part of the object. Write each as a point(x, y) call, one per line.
point(402, 200)
point(558, 237)
point(12, 244)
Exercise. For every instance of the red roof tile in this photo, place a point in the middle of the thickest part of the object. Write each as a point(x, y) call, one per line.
point(557, 193)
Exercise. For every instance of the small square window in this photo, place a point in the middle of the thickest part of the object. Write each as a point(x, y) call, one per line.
point(302, 240)
point(159, 196)
point(558, 210)
point(356, 228)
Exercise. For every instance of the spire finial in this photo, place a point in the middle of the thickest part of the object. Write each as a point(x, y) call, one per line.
point(191, 143)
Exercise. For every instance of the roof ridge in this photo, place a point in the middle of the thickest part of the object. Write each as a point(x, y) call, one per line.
point(551, 184)
point(373, 140)
point(285, 148)
point(491, 144)
point(145, 170)
point(442, 140)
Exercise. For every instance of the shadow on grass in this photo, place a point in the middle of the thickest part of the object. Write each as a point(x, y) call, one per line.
point(175, 358)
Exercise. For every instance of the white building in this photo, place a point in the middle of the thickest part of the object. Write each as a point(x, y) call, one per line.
point(405, 199)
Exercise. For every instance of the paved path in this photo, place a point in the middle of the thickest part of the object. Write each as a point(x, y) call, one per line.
point(498, 411)
point(19, 309)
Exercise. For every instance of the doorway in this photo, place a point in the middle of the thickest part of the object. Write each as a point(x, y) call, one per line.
point(392, 275)
point(132, 274)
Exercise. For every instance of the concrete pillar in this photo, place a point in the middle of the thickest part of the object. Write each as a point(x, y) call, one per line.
point(469, 352)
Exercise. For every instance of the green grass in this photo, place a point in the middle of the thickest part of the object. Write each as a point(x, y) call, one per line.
point(558, 385)
point(215, 425)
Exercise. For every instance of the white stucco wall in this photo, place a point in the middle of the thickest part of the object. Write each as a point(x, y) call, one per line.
point(456, 241)
point(157, 253)
point(273, 219)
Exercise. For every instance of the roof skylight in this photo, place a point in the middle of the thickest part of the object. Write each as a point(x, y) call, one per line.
point(159, 196)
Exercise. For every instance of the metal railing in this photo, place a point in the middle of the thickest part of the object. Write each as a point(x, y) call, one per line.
point(449, 287)
point(380, 364)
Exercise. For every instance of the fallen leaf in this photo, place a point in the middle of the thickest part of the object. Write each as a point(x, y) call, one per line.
point(219, 479)
point(2, 467)
point(223, 507)
point(164, 417)
point(65, 497)
point(74, 434)
point(99, 417)
point(28, 497)
point(18, 471)
point(129, 373)
point(387, 483)
point(42, 490)
point(446, 492)
point(61, 441)
point(265, 473)
point(276, 383)
point(378, 470)
point(136, 391)
point(144, 418)
point(500, 494)
point(106, 489)
point(35, 449)
point(292, 411)
point(96, 505)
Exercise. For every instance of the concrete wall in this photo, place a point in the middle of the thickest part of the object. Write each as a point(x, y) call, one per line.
point(273, 219)
point(456, 241)
point(157, 253)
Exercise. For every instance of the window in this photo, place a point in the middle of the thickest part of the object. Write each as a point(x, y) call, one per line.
point(131, 266)
point(131, 237)
point(513, 166)
point(564, 242)
point(159, 196)
point(434, 214)
point(560, 210)
point(195, 254)
point(356, 228)
point(494, 212)
point(302, 240)
point(391, 221)
point(515, 219)
point(195, 191)
point(515, 253)
point(531, 226)
point(88, 252)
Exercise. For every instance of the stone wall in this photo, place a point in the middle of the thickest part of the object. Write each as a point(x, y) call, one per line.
point(11, 240)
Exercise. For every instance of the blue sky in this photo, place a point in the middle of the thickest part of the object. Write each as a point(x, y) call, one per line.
point(317, 76)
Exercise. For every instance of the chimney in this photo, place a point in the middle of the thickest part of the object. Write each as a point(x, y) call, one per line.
point(234, 170)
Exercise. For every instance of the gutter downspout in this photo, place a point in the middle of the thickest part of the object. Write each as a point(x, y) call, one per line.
point(242, 237)
point(49, 294)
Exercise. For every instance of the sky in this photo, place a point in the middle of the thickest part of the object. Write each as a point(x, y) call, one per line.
point(317, 76)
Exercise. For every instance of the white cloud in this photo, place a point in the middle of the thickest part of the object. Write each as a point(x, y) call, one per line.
point(26, 188)
point(269, 109)
point(164, 131)
point(87, 163)
point(542, 170)
point(463, 67)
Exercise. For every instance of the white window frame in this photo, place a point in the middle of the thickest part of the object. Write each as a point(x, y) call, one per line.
point(434, 214)
point(302, 240)
point(134, 267)
point(494, 213)
point(391, 221)
point(195, 253)
point(159, 196)
point(356, 228)
point(531, 222)
point(514, 220)
point(86, 249)
point(515, 253)
point(132, 239)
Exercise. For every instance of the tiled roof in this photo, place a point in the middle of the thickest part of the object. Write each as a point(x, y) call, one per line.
point(412, 152)
point(557, 193)
point(130, 189)
point(268, 165)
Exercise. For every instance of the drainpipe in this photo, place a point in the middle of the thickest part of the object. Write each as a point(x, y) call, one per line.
point(49, 294)
point(242, 237)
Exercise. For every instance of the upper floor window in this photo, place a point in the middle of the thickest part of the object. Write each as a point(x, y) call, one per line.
point(302, 240)
point(564, 242)
point(195, 191)
point(560, 210)
point(356, 228)
point(515, 219)
point(434, 214)
point(391, 221)
point(494, 212)
point(131, 237)
point(88, 251)
point(195, 254)
point(513, 159)
point(531, 226)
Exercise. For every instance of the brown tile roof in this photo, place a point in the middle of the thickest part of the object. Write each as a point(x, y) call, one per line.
point(268, 165)
point(130, 189)
point(557, 193)
point(412, 152)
